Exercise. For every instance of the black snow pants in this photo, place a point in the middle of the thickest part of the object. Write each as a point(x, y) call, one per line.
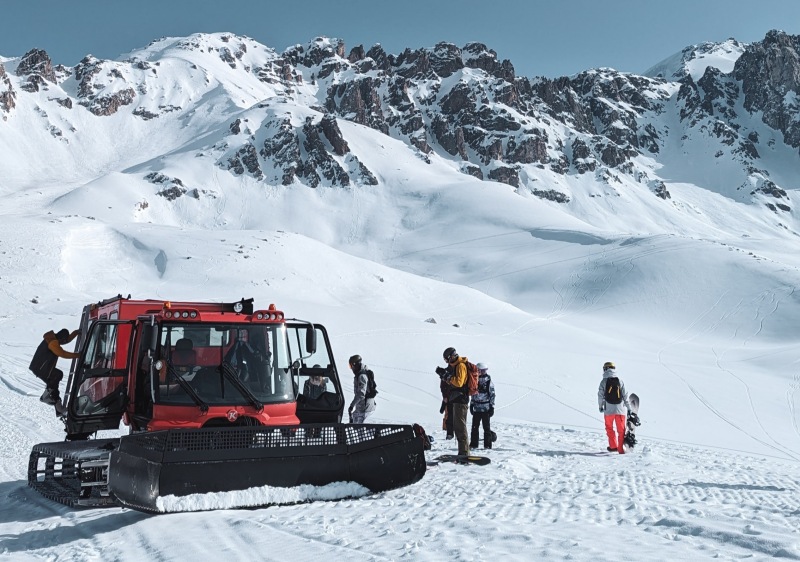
point(481, 418)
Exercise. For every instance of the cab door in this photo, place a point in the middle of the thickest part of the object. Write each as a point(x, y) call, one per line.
point(98, 392)
point(316, 382)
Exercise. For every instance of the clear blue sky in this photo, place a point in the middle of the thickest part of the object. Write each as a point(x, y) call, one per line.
point(552, 38)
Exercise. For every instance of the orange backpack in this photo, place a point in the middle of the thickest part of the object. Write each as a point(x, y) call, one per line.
point(472, 378)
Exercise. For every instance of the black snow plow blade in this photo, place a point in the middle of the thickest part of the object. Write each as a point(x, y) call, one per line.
point(150, 466)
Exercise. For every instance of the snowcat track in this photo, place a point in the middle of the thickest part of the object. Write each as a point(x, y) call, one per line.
point(180, 462)
point(74, 473)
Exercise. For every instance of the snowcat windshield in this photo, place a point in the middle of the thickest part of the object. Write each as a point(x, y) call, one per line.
point(224, 364)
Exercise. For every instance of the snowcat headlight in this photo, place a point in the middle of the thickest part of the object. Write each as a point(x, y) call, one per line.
point(184, 314)
point(238, 307)
point(259, 316)
point(193, 314)
point(168, 314)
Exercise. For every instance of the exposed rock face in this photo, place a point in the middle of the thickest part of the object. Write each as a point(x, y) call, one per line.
point(358, 101)
point(246, 158)
point(318, 160)
point(38, 68)
point(330, 128)
point(770, 75)
point(171, 188)
point(7, 94)
point(110, 104)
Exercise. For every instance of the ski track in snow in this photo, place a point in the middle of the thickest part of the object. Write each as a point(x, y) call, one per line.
point(667, 501)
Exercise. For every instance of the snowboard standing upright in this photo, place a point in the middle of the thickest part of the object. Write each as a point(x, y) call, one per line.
point(632, 423)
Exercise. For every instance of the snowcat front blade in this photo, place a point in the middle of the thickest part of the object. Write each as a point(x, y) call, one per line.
point(182, 462)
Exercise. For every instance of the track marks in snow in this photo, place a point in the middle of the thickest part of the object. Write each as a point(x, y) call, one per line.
point(542, 483)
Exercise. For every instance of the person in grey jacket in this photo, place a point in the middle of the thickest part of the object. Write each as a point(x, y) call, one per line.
point(361, 406)
point(612, 398)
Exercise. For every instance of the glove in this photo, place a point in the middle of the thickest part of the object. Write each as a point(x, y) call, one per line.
point(491, 411)
point(602, 409)
point(441, 372)
point(443, 408)
point(472, 409)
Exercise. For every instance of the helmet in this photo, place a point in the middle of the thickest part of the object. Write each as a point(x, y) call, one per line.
point(609, 365)
point(482, 367)
point(355, 360)
point(448, 353)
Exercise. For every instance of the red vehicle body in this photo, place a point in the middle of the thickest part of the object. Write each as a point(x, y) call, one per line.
point(217, 397)
point(133, 367)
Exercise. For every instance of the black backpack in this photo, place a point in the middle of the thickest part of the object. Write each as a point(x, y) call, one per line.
point(372, 388)
point(613, 393)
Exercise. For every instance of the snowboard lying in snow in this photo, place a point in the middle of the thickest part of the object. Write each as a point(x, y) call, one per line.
point(632, 423)
point(460, 459)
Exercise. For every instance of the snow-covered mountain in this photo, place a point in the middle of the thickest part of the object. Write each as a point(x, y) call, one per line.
point(415, 201)
point(695, 59)
point(727, 121)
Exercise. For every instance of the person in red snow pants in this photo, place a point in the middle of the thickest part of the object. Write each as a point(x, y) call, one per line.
point(612, 398)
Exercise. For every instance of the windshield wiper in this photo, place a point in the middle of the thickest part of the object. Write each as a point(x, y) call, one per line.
point(230, 373)
point(187, 387)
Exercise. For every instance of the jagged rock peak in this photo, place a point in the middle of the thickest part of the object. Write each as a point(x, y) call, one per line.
point(776, 59)
point(315, 52)
point(37, 66)
point(478, 55)
point(694, 59)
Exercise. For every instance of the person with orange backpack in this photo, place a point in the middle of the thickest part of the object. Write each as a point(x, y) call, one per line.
point(613, 401)
point(458, 376)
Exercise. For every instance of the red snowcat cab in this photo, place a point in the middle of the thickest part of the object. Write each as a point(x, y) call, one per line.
point(218, 398)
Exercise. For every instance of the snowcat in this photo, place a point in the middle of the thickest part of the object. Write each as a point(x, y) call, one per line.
point(216, 400)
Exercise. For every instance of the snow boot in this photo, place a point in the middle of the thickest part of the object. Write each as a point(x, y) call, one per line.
point(61, 410)
point(49, 396)
point(611, 449)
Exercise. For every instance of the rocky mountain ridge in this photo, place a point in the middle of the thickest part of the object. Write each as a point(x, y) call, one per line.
point(460, 105)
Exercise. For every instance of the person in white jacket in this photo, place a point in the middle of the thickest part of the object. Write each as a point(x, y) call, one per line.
point(612, 398)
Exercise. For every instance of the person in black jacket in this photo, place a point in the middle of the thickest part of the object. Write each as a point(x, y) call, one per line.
point(482, 409)
point(43, 364)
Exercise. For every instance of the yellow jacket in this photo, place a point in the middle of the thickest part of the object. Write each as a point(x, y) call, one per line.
point(459, 378)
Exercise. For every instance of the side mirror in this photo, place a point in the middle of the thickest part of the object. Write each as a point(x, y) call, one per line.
point(311, 340)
